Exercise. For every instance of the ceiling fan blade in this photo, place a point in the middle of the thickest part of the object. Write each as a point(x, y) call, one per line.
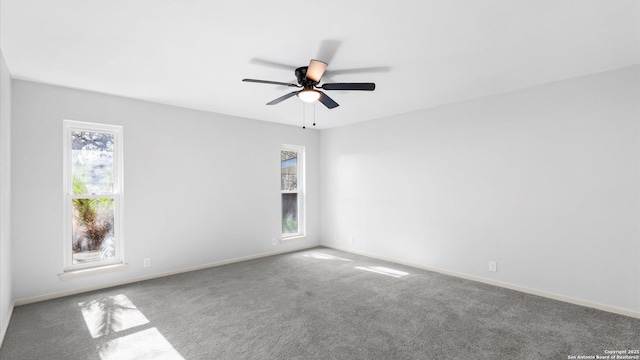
point(270, 82)
point(282, 98)
point(327, 101)
point(272, 64)
point(365, 70)
point(316, 70)
point(328, 49)
point(350, 86)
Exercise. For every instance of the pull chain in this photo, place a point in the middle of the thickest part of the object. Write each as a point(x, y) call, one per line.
point(314, 114)
point(303, 116)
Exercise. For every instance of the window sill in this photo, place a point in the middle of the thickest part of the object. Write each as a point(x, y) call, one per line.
point(76, 274)
point(292, 238)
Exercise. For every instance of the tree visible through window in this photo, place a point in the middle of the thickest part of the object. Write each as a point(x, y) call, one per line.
point(291, 186)
point(94, 193)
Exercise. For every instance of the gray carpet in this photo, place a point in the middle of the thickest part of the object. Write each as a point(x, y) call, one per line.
point(314, 304)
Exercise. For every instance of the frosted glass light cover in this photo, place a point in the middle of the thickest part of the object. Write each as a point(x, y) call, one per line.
point(309, 95)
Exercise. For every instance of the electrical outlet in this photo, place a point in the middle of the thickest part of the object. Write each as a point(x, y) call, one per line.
point(350, 239)
point(274, 241)
point(493, 266)
point(147, 262)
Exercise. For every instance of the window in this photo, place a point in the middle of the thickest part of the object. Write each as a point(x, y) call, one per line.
point(92, 195)
point(292, 189)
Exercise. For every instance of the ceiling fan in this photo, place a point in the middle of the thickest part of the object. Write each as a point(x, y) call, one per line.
point(308, 79)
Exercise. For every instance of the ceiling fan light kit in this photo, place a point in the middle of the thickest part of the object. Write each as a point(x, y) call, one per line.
point(308, 79)
point(309, 96)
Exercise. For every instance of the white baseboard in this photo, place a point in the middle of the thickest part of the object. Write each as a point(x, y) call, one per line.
point(60, 294)
point(549, 295)
point(5, 326)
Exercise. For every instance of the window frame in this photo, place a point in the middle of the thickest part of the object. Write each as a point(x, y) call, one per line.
point(117, 195)
point(300, 179)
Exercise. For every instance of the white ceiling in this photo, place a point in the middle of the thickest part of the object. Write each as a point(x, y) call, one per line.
point(419, 53)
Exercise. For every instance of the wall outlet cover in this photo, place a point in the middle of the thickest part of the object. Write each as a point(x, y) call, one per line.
point(493, 266)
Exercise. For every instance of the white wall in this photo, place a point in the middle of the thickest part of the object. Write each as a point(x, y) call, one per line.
point(545, 181)
point(6, 302)
point(199, 187)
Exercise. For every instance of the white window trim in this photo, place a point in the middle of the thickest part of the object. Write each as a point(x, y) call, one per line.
point(117, 195)
point(100, 269)
point(302, 209)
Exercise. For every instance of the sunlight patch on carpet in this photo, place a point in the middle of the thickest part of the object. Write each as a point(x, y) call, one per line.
point(383, 270)
point(144, 345)
point(111, 315)
point(323, 256)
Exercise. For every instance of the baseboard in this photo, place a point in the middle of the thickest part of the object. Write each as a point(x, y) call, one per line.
point(549, 295)
point(60, 294)
point(5, 326)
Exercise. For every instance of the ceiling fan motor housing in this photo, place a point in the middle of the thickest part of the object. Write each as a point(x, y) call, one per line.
point(301, 75)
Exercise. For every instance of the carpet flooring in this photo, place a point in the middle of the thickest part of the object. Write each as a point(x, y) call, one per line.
point(314, 304)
